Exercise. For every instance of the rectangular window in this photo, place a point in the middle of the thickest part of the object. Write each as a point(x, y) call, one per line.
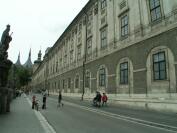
point(63, 84)
point(102, 77)
point(57, 66)
point(71, 56)
point(89, 46)
point(104, 37)
point(155, 10)
point(77, 82)
point(103, 4)
point(124, 73)
point(124, 26)
point(159, 66)
point(87, 80)
point(59, 84)
point(65, 60)
point(69, 83)
point(79, 52)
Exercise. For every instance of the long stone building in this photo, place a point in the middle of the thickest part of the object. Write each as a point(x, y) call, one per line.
point(126, 48)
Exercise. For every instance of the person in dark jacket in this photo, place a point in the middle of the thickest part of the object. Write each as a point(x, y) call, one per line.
point(99, 99)
point(33, 101)
point(44, 101)
point(60, 99)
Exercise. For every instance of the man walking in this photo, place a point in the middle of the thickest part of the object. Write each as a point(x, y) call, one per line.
point(59, 99)
point(44, 101)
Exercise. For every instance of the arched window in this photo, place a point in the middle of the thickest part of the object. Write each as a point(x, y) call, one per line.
point(124, 76)
point(161, 76)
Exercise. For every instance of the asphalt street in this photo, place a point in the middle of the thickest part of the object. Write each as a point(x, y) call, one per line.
point(81, 117)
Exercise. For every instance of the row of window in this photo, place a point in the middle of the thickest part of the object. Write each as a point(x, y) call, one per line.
point(159, 73)
point(155, 12)
point(154, 5)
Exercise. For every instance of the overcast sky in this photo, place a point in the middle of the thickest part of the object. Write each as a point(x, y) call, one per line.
point(36, 23)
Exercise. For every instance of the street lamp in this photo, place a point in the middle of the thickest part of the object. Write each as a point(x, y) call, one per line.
point(84, 61)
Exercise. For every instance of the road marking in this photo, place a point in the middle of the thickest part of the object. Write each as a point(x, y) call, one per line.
point(46, 126)
point(125, 118)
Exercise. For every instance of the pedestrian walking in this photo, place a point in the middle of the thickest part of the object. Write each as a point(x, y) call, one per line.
point(60, 99)
point(33, 101)
point(104, 99)
point(44, 101)
point(99, 99)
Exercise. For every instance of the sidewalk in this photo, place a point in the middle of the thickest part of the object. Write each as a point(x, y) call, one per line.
point(21, 119)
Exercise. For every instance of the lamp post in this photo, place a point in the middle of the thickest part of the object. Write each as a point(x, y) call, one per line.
point(85, 53)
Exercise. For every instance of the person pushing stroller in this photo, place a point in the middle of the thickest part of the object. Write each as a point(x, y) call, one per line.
point(97, 99)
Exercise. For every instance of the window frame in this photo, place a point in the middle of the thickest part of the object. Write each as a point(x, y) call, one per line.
point(159, 69)
point(87, 79)
point(77, 82)
point(103, 37)
point(103, 4)
point(125, 77)
point(63, 84)
point(124, 26)
point(89, 46)
point(69, 83)
point(79, 52)
point(154, 9)
point(102, 77)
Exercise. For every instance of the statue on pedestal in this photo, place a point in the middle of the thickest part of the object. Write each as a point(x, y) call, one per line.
point(4, 44)
point(5, 65)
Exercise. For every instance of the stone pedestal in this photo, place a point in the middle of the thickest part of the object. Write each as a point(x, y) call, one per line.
point(5, 93)
point(5, 99)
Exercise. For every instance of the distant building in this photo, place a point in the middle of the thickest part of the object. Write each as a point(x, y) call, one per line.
point(122, 47)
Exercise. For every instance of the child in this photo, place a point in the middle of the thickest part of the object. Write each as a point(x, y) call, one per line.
point(104, 99)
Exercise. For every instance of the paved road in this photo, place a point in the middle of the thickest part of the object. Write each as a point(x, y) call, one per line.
point(81, 117)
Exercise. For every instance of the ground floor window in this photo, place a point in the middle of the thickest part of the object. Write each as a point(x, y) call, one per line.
point(87, 80)
point(102, 77)
point(124, 73)
point(159, 66)
point(77, 82)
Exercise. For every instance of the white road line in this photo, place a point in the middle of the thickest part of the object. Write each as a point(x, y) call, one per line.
point(46, 126)
point(125, 118)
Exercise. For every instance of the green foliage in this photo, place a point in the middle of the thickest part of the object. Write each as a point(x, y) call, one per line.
point(19, 76)
point(24, 76)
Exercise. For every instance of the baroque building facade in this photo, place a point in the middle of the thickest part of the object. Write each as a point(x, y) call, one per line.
point(122, 47)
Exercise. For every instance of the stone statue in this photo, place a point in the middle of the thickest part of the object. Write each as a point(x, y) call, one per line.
point(5, 65)
point(4, 44)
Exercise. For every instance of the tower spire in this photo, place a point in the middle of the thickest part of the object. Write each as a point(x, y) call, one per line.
point(28, 63)
point(18, 63)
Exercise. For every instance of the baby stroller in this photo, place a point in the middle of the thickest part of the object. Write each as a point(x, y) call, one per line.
point(36, 105)
point(95, 102)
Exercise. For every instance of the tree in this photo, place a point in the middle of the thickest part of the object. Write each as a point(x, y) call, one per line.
point(19, 76)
